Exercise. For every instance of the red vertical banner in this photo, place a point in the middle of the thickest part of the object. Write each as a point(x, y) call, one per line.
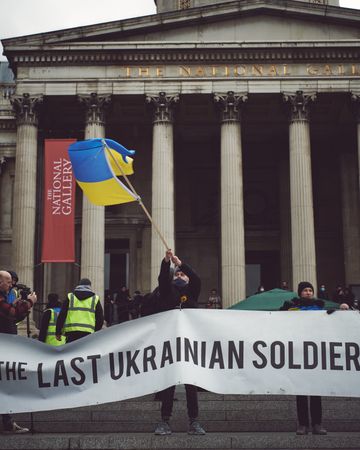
point(59, 203)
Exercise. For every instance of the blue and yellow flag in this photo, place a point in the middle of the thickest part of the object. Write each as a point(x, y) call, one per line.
point(96, 171)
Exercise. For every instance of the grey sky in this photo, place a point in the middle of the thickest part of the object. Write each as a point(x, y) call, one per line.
point(22, 17)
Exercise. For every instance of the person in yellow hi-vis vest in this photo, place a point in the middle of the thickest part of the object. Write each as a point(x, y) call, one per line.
point(81, 313)
point(48, 322)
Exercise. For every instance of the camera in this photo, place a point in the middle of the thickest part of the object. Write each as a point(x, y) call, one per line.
point(23, 290)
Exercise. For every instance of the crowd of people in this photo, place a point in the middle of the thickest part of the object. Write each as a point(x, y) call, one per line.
point(120, 307)
point(81, 314)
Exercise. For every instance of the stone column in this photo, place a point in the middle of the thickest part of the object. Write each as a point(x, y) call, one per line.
point(301, 194)
point(93, 216)
point(24, 212)
point(162, 204)
point(356, 99)
point(232, 204)
point(350, 217)
point(6, 195)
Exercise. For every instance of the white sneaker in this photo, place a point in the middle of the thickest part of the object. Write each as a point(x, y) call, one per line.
point(162, 429)
point(196, 428)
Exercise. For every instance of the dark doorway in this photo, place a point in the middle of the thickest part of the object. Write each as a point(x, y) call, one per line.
point(262, 268)
point(116, 264)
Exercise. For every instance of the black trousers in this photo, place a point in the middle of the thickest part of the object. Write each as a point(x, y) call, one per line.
point(167, 401)
point(72, 336)
point(303, 410)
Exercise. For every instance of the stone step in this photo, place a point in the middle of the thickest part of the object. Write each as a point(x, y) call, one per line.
point(181, 426)
point(219, 441)
point(217, 414)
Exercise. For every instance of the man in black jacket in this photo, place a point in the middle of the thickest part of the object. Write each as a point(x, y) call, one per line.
point(307, 302)
point(178, 290)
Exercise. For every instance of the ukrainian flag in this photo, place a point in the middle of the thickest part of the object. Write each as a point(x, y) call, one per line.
point(95, 170)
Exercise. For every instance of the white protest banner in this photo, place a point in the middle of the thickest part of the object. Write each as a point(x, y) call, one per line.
point(227, 352)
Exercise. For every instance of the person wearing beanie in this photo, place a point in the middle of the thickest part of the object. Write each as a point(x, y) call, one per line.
point(307, 302)
point(85, 282)
point(182, 290)
point(81, 313)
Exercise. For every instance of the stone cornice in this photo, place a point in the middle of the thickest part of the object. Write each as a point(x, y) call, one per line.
point(8, 125)
point(156, 53)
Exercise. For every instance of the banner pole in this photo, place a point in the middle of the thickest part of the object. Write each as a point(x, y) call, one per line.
point(137, 196)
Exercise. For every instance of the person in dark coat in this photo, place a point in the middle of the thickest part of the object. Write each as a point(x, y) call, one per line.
point(178, 290)
point(338, 295)
point(135, 305)
point(322, 292)
point(122, 304)
point(349, 297)
point(307, 302)
point(285, 286)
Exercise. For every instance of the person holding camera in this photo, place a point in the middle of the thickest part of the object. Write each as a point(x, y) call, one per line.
point(14, 292)
point(9, 315)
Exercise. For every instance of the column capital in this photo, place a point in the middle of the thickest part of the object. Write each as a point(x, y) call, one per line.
point(163, 106)
point(26, 108)
point(355, 97)
point(95, 105)
point(299, 102)
point(230, 105)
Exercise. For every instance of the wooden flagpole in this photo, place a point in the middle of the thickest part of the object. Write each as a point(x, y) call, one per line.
point(138, 198)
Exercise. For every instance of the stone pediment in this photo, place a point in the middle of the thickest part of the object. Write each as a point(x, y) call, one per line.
point(235, 24)
point(236, 20)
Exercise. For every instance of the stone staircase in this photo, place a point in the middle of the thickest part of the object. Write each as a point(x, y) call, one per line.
point(231, 421)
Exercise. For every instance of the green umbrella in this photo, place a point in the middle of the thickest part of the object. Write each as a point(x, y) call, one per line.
point(272, 301)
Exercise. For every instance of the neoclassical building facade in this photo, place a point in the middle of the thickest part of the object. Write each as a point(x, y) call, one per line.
point(245, 118)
